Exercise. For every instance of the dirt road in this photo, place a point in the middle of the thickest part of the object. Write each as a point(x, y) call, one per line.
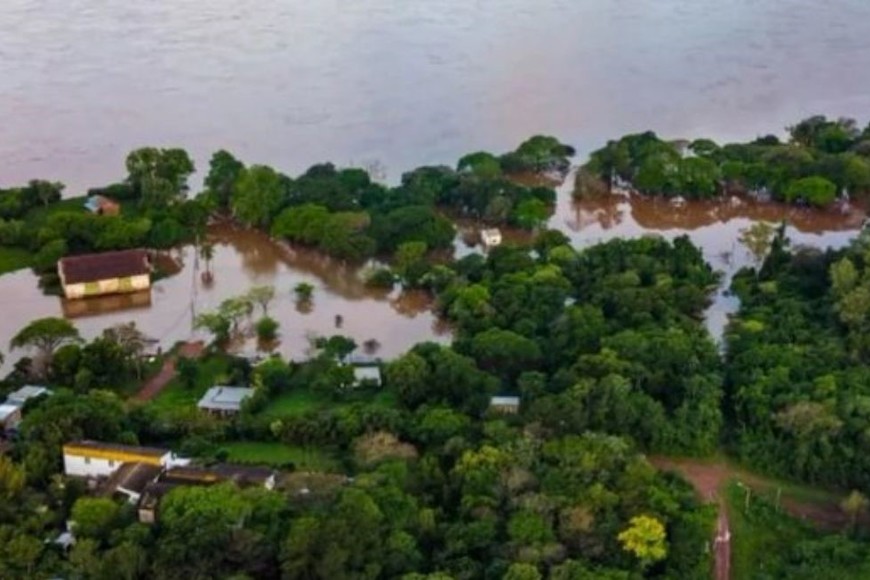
point(158, 382)
point(722, 544)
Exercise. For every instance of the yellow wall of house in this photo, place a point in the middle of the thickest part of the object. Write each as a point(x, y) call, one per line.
point(111, 454)
point(110, 286)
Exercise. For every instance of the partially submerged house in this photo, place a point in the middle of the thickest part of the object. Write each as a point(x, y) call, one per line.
point(120, 272)
point(224, 401)
point(102, 205)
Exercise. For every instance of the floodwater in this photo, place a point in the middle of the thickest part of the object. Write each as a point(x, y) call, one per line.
point(243, 259)
point(294, 82)
point(401, 84)
point(714, 226)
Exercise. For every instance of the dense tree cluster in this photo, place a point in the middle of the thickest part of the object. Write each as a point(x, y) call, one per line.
point(155, 213)
point(798, 364)
point(345, 214)
point(822, 159)
point(606, 339)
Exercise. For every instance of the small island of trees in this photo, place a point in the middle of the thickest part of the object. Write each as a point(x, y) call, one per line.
point(821, 160)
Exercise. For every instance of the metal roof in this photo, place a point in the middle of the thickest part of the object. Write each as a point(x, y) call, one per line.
point(504, 401)
point(224, 398)
point(25, 393)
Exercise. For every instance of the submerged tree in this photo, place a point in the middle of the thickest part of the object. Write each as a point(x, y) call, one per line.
point(262, 296)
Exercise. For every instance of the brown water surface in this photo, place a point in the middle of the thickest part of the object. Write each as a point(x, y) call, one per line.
point(714, 226)
point(294, 82)
point(242, 259)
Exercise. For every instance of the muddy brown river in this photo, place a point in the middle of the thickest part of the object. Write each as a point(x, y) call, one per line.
point(401, 84)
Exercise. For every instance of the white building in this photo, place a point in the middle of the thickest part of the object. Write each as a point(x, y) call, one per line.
point(367, 375)
point(224, 401)
point(10, 417)
point(11, 409)
point(26, 393)
point(490, 237)
point(93, 459)
point(507, 405)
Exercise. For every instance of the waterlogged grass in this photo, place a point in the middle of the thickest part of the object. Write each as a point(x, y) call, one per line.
point(13, 259)
point(279, 455)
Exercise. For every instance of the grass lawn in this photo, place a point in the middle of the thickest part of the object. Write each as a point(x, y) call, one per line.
point(12, 259)
point(212, 371)
point(278, 454)
point(299, 402)
point(294, 403)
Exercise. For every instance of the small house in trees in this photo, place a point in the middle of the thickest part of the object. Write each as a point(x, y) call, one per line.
point(101, 205)
point(505, 405)
point(26, 393)
point(11, 411)
point(224, 401)
point(10, 417)
point(120, 272)
point(490, 237)
point(365, 375)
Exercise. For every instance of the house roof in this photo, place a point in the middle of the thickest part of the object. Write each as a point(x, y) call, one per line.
point(112, 450)
point(504, 401)
point(240, 474)
point(104, 266)
point(26, 393)
point(153, 492)
point(133, 477)
point(224, 398)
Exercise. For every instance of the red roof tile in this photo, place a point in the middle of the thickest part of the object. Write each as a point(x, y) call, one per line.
point(105, 266)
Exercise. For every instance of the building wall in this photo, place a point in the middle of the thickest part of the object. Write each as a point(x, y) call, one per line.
point(89, 466)
point(110, 286)
point(102, 463)
point(12, 421)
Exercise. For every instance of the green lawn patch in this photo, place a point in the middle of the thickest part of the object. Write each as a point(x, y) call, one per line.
point(299, 402)
point(294, 403)
point(13, 259)
point(213, 371)
point(278, 455)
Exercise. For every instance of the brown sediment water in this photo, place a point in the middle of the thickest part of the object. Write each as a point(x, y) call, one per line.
point(715, 226)
point(243, 259)
point(407, 83)
point(392, 321)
